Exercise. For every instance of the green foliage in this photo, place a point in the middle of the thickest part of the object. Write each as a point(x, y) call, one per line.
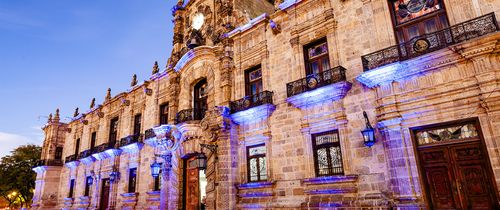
point(16, 174)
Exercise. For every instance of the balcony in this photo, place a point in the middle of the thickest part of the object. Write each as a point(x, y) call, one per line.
point(314, 88)
point(132, 143)
point(48, 162)
point(189, 115)
point(71, 158)
point(149, 133)
point(106, 150)
point(427, 43)
point(86, 156)
point(251, 108)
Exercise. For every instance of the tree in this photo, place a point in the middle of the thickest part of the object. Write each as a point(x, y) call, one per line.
point(17, 179)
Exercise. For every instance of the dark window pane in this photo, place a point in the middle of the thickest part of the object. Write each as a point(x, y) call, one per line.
point(257, 167)
point(132, 180)
point(327, 154)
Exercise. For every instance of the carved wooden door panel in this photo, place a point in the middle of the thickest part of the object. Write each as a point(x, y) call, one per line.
point(439, 176)
point(104, 194)
point(192, 186)
point(457, 176)
point(473, 180)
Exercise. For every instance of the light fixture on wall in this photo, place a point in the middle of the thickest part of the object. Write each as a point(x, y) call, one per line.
point(90, 180)
point(368, 133)
point(201, 158)
point(114, 175)
point(155, 169)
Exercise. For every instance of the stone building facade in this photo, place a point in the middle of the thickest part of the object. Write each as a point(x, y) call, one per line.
point(261, 106)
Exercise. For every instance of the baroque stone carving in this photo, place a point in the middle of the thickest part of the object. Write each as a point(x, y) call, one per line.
point(216, 120)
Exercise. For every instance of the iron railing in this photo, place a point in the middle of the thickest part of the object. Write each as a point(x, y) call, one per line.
point(130, 139)
point(247, 102)
point(49, 162)
point(85, 153)
point(189, 114)
point(427, 43)
point(104, 147)
point(149, 133)
point(70, 158)
point(313, 81)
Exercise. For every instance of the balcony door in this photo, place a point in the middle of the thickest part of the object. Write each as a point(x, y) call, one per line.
point(200, 99)
point(455, 167)
point(413, 18)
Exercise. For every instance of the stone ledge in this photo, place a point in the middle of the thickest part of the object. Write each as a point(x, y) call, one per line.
point(72, 164)
point(153, 196)
point(330, 179)
point(132, 148)
point(130, 197)
point(255, 185)
point(331, 190)
point(253, 114)
point(330, 92)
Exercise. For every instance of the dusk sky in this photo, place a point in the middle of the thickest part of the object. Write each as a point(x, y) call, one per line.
point(62, 53)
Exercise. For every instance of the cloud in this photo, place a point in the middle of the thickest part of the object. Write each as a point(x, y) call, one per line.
point(10, 141)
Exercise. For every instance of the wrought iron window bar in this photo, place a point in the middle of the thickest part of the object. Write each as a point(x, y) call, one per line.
point(85, 153)
point(70, 158)
point(104, 147)
point(314, 81)
point(189, 114)
point(427, 43)
point(49, 162)
point(149, 133)
point(247, 102)
point(131, 139)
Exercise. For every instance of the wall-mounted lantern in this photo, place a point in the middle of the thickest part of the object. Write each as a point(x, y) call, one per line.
point(90, 180)
point(368, 133)
point(114, 175)
point(202, 159)
point(155, 169)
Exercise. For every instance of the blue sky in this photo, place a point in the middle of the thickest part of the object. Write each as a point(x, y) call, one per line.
point(62, 53)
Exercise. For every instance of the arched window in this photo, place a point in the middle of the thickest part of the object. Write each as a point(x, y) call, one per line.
point(414, 18)
point(200, 99)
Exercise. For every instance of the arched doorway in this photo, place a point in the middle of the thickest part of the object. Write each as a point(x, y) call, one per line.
point(194, 185)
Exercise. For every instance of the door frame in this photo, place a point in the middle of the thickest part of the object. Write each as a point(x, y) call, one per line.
point(101, 193)
point(421, 172)
point(183, 183)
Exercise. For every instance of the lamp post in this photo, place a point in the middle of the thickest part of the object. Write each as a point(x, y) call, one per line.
point(368, 133)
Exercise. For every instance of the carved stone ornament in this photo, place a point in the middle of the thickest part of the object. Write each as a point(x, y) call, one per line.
point(92, 103)
point(134, 81)
point(156, 69)
point(216, 120)
point(148, 91)
point(125, 102)
point(108, 95)
point(276, 28)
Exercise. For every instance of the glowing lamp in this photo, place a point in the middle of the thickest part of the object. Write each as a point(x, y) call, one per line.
point(155, 169)
point(90, 180)
point(368, 133)
point(114, 175)
point(201, 160)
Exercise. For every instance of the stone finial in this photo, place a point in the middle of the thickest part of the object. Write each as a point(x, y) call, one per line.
point(247, 16)
point(108, 95)
point(92, 103)
point(50, 118)
point(57, 117)
point(134, 81)
point(156, 69)
point(76, 112)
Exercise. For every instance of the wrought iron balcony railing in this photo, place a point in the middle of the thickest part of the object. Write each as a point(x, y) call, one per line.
point(49, 162)
point(104, 147)
point(149, 133)
point(427, 43)
point(131, 139)
point(313, 81)
point(189, 114)
point(70, 158)
point(247, 102)
point(85, 153)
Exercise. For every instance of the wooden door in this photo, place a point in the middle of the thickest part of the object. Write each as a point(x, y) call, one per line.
point(458, 176)
point(104, 194)
point(192, 185)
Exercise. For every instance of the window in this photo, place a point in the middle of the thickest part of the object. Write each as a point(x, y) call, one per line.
point(157, 181)
point(253, 81)
point(327, 154)
point(71, 188)
point(77, 146)
point(93, 138)
point(164, 114)
point(137, 125)
point(88, 182)
point(132, 175)
point(415, 18)
point(113, 130)
point(59, 151)
point(256, 161)
point(316, 56)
